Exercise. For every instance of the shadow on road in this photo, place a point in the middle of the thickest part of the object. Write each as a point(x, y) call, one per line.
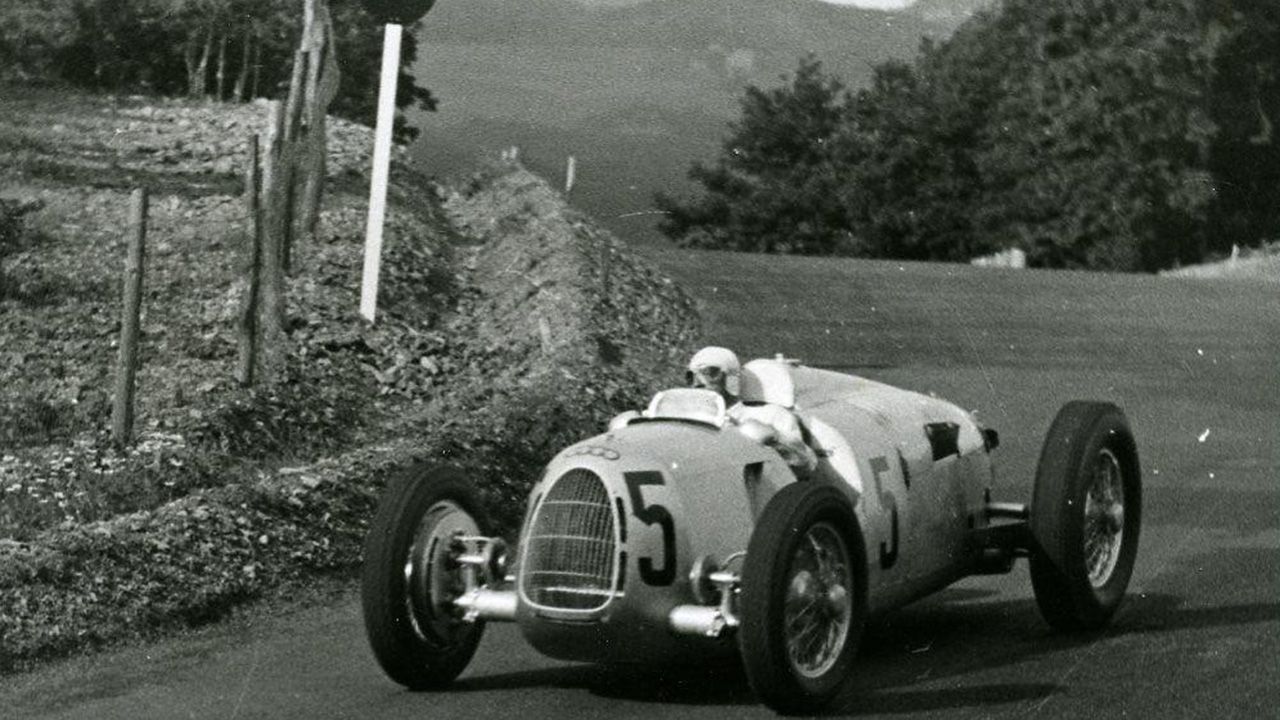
point(912, 701)
point(719, 682)
point(956, 634)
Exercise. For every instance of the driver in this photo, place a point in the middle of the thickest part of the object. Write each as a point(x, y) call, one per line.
point(770, 405)
point(718, 369)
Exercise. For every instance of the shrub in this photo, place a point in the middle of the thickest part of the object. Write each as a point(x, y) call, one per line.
point(13, 233)
point(293, 419)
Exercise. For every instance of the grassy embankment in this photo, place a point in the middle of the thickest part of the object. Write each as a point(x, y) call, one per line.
point(233, 494)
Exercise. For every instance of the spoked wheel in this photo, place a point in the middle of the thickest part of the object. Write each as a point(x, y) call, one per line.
point(1104, 518)
point(411, 578)
point(803, 599)
point(1085, 516)
point(819, 602)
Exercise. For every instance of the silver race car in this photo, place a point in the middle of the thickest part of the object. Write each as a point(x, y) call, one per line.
point(680, 533)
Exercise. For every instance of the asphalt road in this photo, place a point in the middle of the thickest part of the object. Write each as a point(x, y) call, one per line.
point(1196, 365)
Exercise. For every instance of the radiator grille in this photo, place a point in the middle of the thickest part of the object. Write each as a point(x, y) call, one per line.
point(570, 548)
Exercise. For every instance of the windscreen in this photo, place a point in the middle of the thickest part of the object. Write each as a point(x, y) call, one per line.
point(693, 404)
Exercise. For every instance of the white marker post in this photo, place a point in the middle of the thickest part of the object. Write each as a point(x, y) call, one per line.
point(381, 170)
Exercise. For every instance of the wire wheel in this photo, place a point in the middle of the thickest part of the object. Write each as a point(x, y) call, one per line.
point(819, 602)
point(1104, 518)
point(1086, 514)
point(803, 598)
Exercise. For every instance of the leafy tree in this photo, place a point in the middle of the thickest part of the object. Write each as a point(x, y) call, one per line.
point(1100, 158)
point(1244, 102)
point(1110, 134)
point(774, 189)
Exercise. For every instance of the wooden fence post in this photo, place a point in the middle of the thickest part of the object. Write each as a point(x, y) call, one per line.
point(271, 338)
point(127, 364)
point(249, 304)
point(288, 154)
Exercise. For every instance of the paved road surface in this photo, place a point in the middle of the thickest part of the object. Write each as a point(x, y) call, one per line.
point(1195, 363)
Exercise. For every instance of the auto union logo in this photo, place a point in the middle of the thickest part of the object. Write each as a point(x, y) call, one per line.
point(593, 451)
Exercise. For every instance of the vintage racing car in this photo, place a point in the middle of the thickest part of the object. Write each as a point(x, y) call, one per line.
point(679, 533)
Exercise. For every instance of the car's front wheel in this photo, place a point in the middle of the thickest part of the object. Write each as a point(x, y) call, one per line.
point(1085, 516)
point(803, 598)
point(411, 577)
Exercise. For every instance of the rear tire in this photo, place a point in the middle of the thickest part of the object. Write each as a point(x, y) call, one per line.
point(803, 580)
point(409, 580)
point(1086, 513)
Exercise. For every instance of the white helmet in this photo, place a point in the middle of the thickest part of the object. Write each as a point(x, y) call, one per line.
point(768, 381)
point(711, 362)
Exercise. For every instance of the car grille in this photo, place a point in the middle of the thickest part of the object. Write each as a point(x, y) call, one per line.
point(570, 555)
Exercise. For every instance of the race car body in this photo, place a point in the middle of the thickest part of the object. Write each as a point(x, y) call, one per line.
point(680, 533)
point(678, 488)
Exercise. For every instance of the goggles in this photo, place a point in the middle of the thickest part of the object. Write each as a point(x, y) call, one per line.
point(709, 377)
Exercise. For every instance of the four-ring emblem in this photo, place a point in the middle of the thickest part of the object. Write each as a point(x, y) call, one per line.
point(593, 451)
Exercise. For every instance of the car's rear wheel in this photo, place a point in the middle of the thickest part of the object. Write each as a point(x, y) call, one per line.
point(803, 598)
point(1086, 513)
point(411, 577)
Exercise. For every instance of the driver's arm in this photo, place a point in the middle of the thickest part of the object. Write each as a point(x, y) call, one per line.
point(786, 436)
point(791, 442)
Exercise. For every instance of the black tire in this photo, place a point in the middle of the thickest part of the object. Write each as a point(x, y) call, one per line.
point(415, 635)
point(800, 516)
point(1078, 589)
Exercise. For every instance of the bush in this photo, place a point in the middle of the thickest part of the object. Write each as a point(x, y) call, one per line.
point(90, 480)
point(294, 419)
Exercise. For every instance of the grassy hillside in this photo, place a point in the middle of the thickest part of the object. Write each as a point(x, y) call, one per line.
point(636, 93)
point(689, 24)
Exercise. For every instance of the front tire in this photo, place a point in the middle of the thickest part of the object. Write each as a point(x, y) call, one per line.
point(409, 579)
point(803, 598)
point(1086, 513)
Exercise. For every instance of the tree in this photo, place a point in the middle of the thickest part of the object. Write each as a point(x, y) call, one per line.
point(191, 47)
point(1108, 134)
point(774, 188)
point(1244, 103)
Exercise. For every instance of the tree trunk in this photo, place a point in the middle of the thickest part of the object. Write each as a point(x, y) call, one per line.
point(200, 88)
point(320, 96)
point(289, 157)
point(293, 103)
point(189, 57)
point(242, 77)
point(222, 67)
point(313, 46)
point(257, 68)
